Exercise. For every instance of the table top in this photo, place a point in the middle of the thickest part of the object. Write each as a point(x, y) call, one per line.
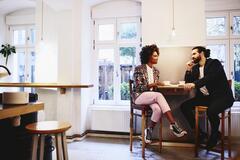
point(8, 111)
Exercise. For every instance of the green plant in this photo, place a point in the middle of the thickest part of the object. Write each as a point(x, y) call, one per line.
point(7, 50)
point(237, 90)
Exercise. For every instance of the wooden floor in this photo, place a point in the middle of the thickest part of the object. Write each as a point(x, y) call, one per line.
point(94, 148)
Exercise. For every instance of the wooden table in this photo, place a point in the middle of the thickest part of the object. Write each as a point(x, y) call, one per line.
point(8, 111)
point(62, 86)
point(174, 89)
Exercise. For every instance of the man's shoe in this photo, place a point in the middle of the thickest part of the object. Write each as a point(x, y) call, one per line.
point(213, 140)
point(177, 131)
point(148, 135)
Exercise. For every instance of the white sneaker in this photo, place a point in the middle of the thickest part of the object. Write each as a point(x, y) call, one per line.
point(177, 131)
point(148, 135)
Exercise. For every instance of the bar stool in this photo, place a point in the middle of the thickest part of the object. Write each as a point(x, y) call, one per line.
point(224, 115)
point(41, 129)
point(145, 110)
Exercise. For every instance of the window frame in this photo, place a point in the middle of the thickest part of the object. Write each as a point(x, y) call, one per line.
point(116, 44)
point(216, 15)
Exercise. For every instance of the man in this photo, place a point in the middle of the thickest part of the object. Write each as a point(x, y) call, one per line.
point(207, 76)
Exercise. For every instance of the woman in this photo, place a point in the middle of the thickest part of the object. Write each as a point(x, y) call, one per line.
point(146, 80)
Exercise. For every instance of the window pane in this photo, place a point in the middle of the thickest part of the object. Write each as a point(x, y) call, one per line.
point(105, 70)
point(128, 31)
point(216, 26)
point(106, 32)
point(127, 63)
point(21, 68)
point(218, 51)
point(236, 25)
point(31, 65)
point(236, 51)
point(19, 37)
point(32, 36)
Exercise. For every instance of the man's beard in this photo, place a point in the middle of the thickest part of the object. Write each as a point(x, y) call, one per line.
point(196, 60)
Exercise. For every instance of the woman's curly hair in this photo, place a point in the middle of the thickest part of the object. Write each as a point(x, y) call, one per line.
point(147, 52)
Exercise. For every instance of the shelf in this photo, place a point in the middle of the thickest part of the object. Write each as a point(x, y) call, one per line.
point(62, 87)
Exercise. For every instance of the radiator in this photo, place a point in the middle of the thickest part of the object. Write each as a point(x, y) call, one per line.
point(235, 125)
point(110, 120)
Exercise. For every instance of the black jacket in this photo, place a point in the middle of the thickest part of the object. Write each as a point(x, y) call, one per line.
point(214, 79)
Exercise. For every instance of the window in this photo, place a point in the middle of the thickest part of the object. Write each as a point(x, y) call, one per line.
point(23, 37)
point(224, 43)
point(116, 48)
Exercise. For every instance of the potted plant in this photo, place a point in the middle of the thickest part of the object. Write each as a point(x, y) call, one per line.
point(7, 50)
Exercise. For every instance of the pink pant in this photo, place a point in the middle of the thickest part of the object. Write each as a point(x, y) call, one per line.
point(156, 101)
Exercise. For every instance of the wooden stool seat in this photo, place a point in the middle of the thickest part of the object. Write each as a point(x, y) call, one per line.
point(48, 127)
point(56, 128)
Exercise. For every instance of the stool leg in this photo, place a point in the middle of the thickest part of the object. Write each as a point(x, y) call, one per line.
point(58, 146)
point(143, 133)
point(160, 135)
point(64, 146)
point(229, 134)
point(42, 142)
point(222, 134)
point(197, 132)
point(131, 129)
point(34, 147)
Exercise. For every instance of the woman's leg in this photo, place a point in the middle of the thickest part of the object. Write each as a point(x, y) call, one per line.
point(155, 115)
point(158, 101)
point(148, 98)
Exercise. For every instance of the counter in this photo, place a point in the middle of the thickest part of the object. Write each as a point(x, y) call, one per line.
point(61, 86)
point(8, 111)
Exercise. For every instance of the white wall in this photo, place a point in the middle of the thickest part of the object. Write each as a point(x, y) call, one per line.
point(216, 5)
point(46, 51)
point(21, 17)
point(157, 21)
point(2, 29)
point(123, 8)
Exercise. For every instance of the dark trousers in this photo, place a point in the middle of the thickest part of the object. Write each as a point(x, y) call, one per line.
point(215, 106)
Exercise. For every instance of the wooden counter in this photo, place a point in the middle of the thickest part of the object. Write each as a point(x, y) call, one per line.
point(8, 111)
point(62, 87)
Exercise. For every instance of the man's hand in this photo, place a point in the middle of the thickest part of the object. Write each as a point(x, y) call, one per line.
point(159, 83)
point(189, 86)
point(189, 65)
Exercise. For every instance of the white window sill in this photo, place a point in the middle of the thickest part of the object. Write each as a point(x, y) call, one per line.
point(110, 107)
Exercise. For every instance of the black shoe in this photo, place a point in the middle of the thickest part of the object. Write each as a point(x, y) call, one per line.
point(148, 135)
point(177, 131)
point(213, 140)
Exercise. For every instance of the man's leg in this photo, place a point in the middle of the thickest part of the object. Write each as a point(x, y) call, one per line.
point(188, 108)
point(217, 106)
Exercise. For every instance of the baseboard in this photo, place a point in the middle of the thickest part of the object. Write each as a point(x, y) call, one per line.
point(110, 134)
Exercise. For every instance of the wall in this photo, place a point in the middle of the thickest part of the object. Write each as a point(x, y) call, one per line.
point(21, 17)
point(172, 60)
point(46, 50)
point(157, 21)
point(216, 5)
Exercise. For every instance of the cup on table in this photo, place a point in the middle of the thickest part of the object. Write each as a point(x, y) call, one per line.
point(181, 82)
point(166, 82)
